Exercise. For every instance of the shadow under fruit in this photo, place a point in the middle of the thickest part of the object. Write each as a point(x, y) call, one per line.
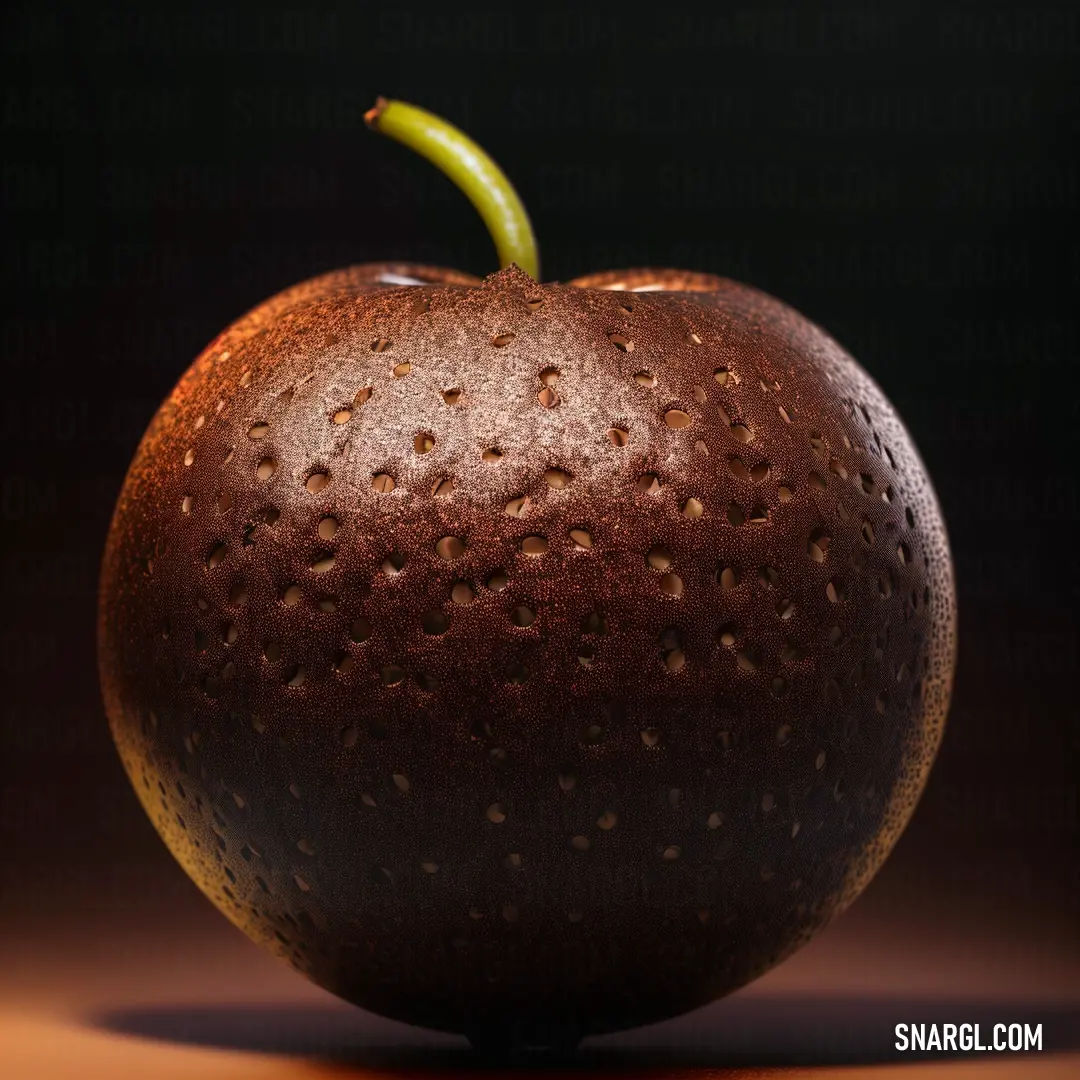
point(526, 660)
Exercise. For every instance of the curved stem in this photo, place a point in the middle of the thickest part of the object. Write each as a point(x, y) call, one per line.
point(485, 184)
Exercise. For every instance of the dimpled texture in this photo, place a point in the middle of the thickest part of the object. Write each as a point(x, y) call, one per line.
point(501, 654)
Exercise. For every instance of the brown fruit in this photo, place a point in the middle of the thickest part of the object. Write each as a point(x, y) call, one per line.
point(516, 658)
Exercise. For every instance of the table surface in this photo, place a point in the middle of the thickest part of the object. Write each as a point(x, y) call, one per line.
point(99, 994)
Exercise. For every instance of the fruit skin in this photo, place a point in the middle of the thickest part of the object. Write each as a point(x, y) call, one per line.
point(414, 845)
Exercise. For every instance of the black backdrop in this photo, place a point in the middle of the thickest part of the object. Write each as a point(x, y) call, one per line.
point(901, 174)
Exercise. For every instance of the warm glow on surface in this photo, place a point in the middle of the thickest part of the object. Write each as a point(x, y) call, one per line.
point(176, 992)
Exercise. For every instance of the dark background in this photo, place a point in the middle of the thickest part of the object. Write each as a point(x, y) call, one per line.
point(901, 174)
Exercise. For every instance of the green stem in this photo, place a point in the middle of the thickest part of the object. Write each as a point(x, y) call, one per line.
point(485, 184)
